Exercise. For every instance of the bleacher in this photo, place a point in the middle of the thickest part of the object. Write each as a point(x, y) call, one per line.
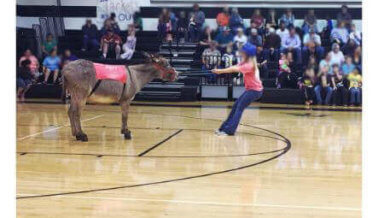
point(182, 56)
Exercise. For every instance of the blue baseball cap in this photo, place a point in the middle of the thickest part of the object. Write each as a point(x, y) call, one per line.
point(249, 49)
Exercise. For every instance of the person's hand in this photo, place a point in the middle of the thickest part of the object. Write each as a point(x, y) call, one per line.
point(216, 71)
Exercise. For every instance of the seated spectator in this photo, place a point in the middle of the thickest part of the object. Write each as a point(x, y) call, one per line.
point(34, 63)
point(236, 21)
point(255, 38)
point(107, 26)
point(272, 45)
point(211, 59)
point(344, 16)
point(51, 65)
point(283, 71)
point(257, 19)
point(224, 38)
point(310, 22)
point(112, 23)
point(355, 84)
point(340, 93)
point(196, 23)
point(90, 36)
point(288, 18)
point(24, 78)
point(337, 56)
point(348, 66)
point(326, 62)
point(357, 59)
point(137, 21)
point(223, 18)
point(292, 43)
point(262, 63)
point(206, 37)
point(68, 57)
point(324, 85)
point(306, 84)
point(313, 63)
point(282, 32)
point(271, 19)
point(240, 37)
point(312, 46)
point(182, 27)
point(349, 48)
point(340, 34)
point(49, 45)
point(129, 46)
point(165, 26)
point(111, 41)
point(355, 35)
point(228, 57)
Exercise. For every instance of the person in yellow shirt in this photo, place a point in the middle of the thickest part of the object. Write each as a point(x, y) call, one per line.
point(355, 84)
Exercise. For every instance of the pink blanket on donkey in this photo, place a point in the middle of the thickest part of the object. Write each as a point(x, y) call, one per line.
point(112, 72)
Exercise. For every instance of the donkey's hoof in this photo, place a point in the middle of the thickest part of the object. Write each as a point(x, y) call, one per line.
point(127, 135)
point(82, 137)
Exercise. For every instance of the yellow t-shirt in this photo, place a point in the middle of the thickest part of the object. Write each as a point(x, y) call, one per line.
point(354, 80)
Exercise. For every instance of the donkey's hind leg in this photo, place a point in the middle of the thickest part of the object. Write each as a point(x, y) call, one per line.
point(71, 116)
point(78, 102)
point(125, 111)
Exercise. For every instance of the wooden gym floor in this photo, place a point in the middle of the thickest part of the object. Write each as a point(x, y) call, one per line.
point(283, 162)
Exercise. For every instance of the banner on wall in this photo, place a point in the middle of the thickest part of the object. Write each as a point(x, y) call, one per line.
point(124, 10)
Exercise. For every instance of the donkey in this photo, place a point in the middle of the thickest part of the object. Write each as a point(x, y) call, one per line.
point(79, 78)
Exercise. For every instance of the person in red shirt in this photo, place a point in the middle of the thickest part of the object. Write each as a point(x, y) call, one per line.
point(223, 18)
point(257, 19)
point(112, 41)
point(253, 88)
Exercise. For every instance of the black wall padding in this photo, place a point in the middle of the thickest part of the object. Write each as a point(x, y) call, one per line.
point(53, 11)
point(153, 12)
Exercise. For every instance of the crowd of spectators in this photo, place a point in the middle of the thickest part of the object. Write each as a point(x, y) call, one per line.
point(108, 41)
point(328, 73)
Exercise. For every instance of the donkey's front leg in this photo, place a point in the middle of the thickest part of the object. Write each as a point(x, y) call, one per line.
point(125, 110)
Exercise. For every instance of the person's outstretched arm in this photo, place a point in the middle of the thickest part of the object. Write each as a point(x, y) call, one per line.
point(232, 69)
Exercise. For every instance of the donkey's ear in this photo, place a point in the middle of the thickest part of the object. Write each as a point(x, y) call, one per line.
point(147, 55)
point(155, 57)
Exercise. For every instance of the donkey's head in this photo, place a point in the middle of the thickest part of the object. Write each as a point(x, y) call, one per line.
point(163, 68)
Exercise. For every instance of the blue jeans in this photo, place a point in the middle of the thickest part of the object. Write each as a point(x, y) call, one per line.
point(194, 32)
point(318, 92)
point(231, 124)
point(355, 96)
point(93, 43)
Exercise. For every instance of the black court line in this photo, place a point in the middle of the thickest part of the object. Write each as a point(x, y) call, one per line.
point(284, 151)
point(161, 142)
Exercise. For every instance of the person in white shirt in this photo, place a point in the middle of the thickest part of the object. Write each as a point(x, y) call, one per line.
point(355, 35)
point(129, 46)
point(312, 45)
point(337, 57)
point(340, 34)
point(282, 31)
point(240, 37)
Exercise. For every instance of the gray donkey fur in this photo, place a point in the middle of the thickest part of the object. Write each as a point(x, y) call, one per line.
point(79, 78)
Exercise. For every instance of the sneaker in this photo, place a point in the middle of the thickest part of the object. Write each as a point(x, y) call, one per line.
point(221, 133)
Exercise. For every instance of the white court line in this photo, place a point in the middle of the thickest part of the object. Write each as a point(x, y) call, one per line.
point(55, 128)
point(213, 203)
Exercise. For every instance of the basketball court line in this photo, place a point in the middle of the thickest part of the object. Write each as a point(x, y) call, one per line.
point(56, 128)
point(212, 203)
